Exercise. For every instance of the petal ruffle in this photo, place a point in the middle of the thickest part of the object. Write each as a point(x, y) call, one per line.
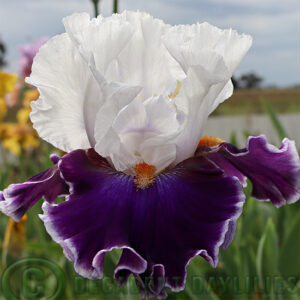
point(184, 42)
point(133, 53)
point(70, 97)
point(103, 38)
point(16, 199)
point(196, 98)
point(186, 212)
point(274, 173)
point(208, 56)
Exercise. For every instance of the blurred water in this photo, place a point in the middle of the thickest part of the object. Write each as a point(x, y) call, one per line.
point(223, 126)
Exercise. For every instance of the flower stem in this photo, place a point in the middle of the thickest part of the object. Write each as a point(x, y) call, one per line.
point(96, 7)
point(115, 9)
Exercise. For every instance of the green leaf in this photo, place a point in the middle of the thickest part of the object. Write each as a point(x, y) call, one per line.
point(274, 119)
point(289, 253)
point(233, 139)
point(246, 134)
point(197, 285)
point(248, 190)
point(267, 256)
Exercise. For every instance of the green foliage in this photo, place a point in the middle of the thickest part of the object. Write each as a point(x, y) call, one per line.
point(274, 118)
point(245, 102)
point(291, 249)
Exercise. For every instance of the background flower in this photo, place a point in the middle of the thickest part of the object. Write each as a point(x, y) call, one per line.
point(20, 135)
point(28, 52)
point(7, 84)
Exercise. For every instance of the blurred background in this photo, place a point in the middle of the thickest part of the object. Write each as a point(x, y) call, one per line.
point(263, 262)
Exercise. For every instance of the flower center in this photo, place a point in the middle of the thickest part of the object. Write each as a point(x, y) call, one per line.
point(144, 175)
point(210, 141)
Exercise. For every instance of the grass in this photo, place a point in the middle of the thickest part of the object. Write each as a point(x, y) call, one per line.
point(249, 102)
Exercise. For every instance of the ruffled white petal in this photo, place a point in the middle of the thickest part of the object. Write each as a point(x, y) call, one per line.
point(127, 48)
point(208, 55)
point(102, 38)
point(183, 39)
point(196, 99)
point(145, 61)
point(132, 87)
point(62, 115)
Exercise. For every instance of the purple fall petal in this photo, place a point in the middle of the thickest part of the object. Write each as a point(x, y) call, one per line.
point(153, 284)
point(274, 173)
point(16, 199)
point(229, 234)
point(223, 163)
point(130, 262)
point(186, 212)
point(157, 283)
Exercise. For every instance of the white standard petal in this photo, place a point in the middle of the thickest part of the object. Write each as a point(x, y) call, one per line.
point(108, 142)
point(132, 87)
point(162, 117)
point(145, 61)
point(194, 45)
point(102, 38)
point(184, 40)
point(67, 89)
point(226, 93)
point(208, 55)
point(196, 99)
point(127, 48)
point(140, 130)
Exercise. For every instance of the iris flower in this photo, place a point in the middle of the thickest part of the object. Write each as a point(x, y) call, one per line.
point(7, 84)
point(127, 97)
point(20, 135)
point(28, 52)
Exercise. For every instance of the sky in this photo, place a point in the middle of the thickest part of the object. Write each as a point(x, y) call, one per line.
point(273, 24)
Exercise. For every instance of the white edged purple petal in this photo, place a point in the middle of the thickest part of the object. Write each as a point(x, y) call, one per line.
point(130, 263)
point(153, 285)
point(274, 172)
point(232, 225)
point(16, 199)
point(181, 215)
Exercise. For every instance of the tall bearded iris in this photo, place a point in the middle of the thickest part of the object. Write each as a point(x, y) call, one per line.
point(128, 97)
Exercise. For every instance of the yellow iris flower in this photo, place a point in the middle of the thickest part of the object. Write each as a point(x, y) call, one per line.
point(30, 95)
point(7, 84)
point(20, 135)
